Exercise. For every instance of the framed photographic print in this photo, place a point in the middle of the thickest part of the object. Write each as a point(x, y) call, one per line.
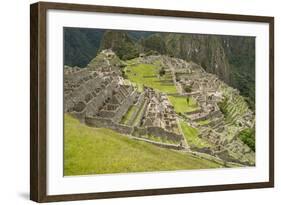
point(134, 102)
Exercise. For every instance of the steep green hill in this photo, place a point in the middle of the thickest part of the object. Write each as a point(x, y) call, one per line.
point(98, 151)
point(121, 43)
point(81, 45)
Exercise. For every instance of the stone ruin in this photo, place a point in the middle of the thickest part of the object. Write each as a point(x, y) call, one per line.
point(160, 118)
point(209, 91)
point(100, 97)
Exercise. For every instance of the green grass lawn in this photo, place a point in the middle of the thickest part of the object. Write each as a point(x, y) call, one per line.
point(98, 151)
point(180, 104)
point(147, 74)
point(191, 136)
point(204, 122)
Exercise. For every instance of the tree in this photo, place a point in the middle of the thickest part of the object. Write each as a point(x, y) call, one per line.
point(162, 71)
point(187, 88)
point(187, 100)
point(248, 137)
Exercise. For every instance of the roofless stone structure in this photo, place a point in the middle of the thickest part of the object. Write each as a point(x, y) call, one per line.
point(99, 96)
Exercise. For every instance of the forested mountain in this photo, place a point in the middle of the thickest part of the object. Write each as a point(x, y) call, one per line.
point(81, 45)
point(232, 58)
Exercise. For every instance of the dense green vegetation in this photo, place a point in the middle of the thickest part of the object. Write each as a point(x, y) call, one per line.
point(98, 151)
point(80, 45)
point(248, 137)
point(148, 75)
point(187, 88)
point(191, 136)
point(154, 42)
point(183, 104)
point(124, 47)
point(240, 52)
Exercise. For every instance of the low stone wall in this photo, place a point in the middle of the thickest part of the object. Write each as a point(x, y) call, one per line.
point(215, 121)
point(106, 113)
point(216, 113)
point(160, 132)
point(135, 131)
point(193, 112)
point(108, 123)
point(139, 131)
point(205, 150)
point(224, 155)
point(164, 145)
point(206, 116)
point(79, 115)
point(192, 94)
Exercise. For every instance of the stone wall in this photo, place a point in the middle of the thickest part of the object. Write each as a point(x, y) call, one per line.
point(135, 131)
point(106, 114)
point(79, 115)
point(96, 102)
point(160, 132)
point(205, 150)
point(108, 123)
point(164, 145)
point(194, 111)
point(139, 131)
point(205, 116)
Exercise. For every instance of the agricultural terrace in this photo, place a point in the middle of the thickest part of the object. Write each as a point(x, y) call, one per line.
point(183, 104)
point(148, 75)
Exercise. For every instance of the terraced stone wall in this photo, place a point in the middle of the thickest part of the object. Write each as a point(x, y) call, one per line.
point(108, 123)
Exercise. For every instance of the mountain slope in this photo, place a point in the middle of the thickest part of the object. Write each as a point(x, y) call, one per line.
point(80, 45)
point(121, 43)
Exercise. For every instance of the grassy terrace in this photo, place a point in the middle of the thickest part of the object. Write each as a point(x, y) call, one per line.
point(191, 136)
point(126, 118)
point(98, 151)
point(147, 74)
point(234, 107)
point(182, 105)
point(204, 122)
point(139, 115)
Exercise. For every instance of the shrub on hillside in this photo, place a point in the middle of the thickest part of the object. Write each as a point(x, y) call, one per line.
point(248, 137)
